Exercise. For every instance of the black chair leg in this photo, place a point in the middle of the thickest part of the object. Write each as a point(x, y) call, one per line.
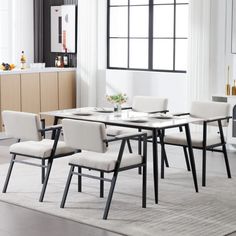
point(144, 189)
point(163, 158)
point(79, 179)
point(139, 152)
point(226, 161)
point(49, 167)
point(111, 191)
point(9, 173)
point(191, 157)
point(43, 172)
point(186, 158)
point(67, 187)
point(129, 146)
point(166, 161)
point(204, 167)
point(101, 184)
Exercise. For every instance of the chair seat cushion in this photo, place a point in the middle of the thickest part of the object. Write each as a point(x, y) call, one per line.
point(197, 139)
point(114, 131)
point(40, 148)
point(104, 161)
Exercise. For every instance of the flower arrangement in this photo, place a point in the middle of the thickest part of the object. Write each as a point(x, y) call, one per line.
point(117, 99)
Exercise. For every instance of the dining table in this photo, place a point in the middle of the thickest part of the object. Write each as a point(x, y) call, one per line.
point(154, 122)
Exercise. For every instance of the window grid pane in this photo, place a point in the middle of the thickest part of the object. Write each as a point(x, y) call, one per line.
point(129, 41)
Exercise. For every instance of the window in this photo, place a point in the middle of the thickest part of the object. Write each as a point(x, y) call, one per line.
point(147, 35)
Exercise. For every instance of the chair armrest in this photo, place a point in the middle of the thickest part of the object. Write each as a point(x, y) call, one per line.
point(126, 108)
point(51, 128)
point(181, 114)
point(162, 111)
point(218, 118)
point(125, 136)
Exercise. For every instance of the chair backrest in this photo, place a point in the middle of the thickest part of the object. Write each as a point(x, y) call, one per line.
point(210, 110)
point(84, 135)
point(149, 104)
point(22, 125)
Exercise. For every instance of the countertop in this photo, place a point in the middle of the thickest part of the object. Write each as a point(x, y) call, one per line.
point(36, 70)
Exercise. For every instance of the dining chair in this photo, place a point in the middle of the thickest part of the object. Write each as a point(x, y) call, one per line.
point(91, 138)
point(210, 137)
point(146, 104)
point(27, 129)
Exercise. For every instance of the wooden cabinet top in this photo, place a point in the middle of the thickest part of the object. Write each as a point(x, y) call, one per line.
point(29, 71)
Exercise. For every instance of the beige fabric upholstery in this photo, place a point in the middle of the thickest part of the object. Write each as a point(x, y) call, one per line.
point(39, 149)
point(149, 104)
point(22, 125)
point(197, 139)
point(210, 110)
point(84, 135)
point(104, 161)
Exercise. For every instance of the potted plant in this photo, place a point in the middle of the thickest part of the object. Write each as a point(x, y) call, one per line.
point(117, 100)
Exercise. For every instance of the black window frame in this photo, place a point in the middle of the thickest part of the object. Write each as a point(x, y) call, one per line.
point(150, 37)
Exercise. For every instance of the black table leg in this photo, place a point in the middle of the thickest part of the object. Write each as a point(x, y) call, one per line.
point(155, 164)
point(191, 156)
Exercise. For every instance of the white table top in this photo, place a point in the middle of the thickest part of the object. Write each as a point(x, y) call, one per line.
point(128, 118)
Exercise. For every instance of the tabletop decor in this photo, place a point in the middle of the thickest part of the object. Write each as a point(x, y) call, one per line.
point(117, 100)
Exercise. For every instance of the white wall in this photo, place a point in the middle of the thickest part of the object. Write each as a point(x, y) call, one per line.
point(22, 30)
point(170, 85)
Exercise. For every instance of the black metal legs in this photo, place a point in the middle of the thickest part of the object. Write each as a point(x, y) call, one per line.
point(204, 167)
point(110, 195)
point(191, 156)
point(67, 187)
point(129, 146)
point(139, 151)
point(155, 165)
point(186, 158)
point(224, 149)
point(49, 167)
point(164, 160)
point(101, 184)
point(9, 173)
point(226, 161)
point(144, 186)
point(79, 179)
point(43, 171)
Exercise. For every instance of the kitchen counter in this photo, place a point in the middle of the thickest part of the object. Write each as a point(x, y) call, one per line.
point(36, 70)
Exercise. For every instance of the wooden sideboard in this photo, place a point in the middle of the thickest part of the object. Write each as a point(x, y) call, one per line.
point(38, 91)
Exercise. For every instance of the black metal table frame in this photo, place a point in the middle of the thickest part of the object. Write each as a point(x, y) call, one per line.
point(154, 146)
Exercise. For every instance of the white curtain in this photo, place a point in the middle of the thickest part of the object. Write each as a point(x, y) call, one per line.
point(87, 53)
point(198, 71)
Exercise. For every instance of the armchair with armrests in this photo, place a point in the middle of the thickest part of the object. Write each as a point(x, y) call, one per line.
point(90, 137)
point(214, 114)
point(27, 129)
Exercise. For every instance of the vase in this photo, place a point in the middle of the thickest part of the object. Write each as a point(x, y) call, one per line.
point(117, 110)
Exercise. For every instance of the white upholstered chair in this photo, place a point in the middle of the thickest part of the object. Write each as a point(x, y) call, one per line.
point(90, 137)
point(147, 104)
point(26, 128)
point(213, 114)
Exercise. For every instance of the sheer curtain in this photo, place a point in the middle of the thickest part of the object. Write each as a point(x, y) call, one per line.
point(198, 72)
point(87, 53)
